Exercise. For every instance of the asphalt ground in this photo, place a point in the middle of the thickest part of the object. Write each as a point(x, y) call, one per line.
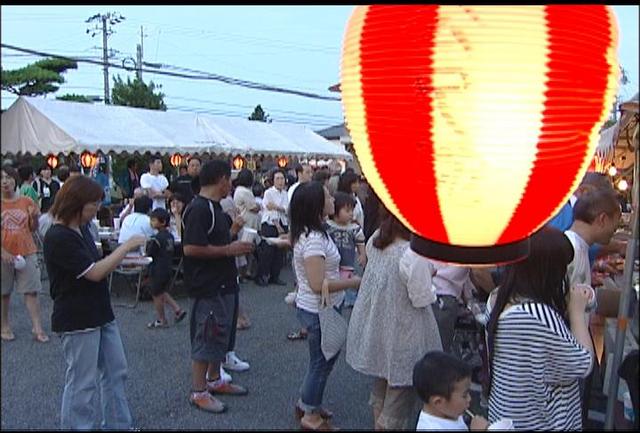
point(160, 377)
point(159, 370)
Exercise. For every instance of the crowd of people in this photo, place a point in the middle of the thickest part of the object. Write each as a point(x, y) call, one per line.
point(537, 353)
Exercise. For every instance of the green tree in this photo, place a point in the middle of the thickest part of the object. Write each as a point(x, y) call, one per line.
point(74, 98)
point(137, 94)
point(39, 78)
point(259, 115)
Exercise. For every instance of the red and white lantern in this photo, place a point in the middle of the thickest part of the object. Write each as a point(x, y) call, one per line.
point(492, 113)
point(88, 159)
point(176, 159)
point(238, 162)
point(52, 161)
point(282, 161)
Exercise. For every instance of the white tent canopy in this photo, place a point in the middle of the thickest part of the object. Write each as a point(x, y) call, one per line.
point(620, 135)
point(37, 125)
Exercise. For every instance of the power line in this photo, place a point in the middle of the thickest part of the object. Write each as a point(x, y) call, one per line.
point(239, 115)
point(206, 77)
point(190, 31)
point(274, 110)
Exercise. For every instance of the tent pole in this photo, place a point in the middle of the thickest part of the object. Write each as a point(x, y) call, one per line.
point(623, 310)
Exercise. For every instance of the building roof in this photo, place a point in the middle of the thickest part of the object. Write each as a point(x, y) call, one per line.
point(334, 132)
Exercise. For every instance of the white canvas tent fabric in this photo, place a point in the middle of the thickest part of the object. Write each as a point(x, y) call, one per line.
point(38, 125)
point(610, 138)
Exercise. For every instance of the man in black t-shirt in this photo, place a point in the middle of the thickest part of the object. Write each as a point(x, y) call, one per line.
point(211, 278)
point(189, 184)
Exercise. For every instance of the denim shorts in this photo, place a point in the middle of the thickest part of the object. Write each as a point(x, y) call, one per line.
point(210, 327)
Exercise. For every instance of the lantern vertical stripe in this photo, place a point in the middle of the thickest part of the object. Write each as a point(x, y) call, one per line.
point(398, 110)
point(479, 62)
point(355, 107)
point(579, 94)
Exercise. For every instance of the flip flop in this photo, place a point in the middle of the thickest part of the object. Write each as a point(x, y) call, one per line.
point(180, 315)
point(297, 335)
point(8, 336)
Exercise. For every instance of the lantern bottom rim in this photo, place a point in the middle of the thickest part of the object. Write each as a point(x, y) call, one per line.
point(496, 254)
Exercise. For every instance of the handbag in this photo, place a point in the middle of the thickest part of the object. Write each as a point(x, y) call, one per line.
point(333, 327)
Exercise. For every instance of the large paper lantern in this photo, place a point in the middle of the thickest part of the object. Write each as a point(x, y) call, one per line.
point(474, 124)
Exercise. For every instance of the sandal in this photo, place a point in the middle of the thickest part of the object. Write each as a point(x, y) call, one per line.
point(156, 324)
point(323, 425)
point(41, 338)
point(297, 335)
point(243, 323)
point(180, 315)
point(8, 335)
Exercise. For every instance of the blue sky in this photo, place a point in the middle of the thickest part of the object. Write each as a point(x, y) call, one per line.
point(295, 47)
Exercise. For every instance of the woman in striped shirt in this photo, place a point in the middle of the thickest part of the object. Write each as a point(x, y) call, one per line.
point(536, 355)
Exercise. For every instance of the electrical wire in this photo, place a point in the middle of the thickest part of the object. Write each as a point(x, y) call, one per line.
point(204, 76)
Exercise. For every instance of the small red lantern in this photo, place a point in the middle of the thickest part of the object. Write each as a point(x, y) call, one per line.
point(176, 159)
point(239, 162)
point(87, 159)
point(52, 160)
point(480, 120)
point(282, 161)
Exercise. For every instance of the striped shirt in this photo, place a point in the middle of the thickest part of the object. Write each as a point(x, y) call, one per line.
point(536, 366)
point(315, 245)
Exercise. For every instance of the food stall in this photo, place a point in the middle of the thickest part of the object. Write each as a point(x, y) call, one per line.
point(618, 153)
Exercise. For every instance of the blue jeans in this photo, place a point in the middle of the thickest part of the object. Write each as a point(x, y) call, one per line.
point(95, 358)
point(319, 368)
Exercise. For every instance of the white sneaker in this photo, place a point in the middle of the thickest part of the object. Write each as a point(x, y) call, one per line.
point(234, 363)
point(290, 299)
point(226, 377)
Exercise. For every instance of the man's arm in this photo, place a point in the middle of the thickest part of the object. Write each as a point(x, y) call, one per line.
point(237, 248)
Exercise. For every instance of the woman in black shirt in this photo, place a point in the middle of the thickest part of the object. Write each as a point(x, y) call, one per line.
point(82, 313)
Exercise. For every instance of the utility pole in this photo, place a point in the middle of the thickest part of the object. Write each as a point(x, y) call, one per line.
point(105, 60)
point(139, 52)
point(105, 20)
point(139, 62)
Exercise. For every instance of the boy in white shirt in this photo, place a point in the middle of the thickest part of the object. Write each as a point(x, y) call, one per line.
point(442, 382)
point(137, 223)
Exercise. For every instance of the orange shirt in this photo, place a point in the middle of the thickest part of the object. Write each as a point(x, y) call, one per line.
point(16, 232)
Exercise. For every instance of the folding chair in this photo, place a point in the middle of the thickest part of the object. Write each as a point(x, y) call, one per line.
point(126, 271)
point(177, 269)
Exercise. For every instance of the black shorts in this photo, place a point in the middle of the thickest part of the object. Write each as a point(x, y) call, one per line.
point(159, 286)
point(210, 327)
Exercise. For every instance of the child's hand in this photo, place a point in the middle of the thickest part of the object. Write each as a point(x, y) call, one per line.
point(478, 423)
point(362, 260)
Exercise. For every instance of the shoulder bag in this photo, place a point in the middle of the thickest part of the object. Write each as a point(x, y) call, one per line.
point(333, 327)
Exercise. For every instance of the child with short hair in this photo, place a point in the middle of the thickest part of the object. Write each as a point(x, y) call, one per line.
point(348, 237)
point(161, 248)
point(442, 382)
